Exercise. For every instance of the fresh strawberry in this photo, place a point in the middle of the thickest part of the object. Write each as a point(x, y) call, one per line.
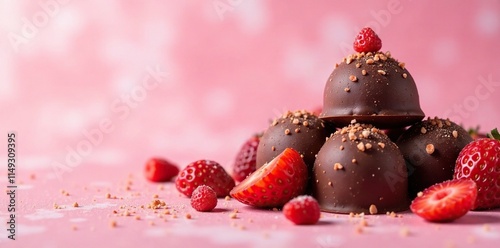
point(302, 210)
point(367, 41)
point(204, 172)
point(476, 134)
point(275, 183)
point(445, 201)
point(160, 170)
point(204, 199)
point(480, 161)
point(245, 161)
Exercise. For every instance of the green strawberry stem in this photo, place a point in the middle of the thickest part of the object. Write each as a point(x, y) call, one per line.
point(494, 134)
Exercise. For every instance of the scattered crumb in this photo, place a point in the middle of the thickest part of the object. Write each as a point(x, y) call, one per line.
point(233, 215)
point(188, 216)
point(358, 229)
point(420, 194)
point(363, 223)
point(486, 227)
point(155, 196)
point(108, 195)
point(404, 232)
point(113, 224)
point(137, 217)
point(373, 209)
point(75, 205)
point(227, 198)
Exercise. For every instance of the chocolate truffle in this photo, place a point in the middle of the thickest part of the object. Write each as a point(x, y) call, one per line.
point(300, 130)
point(430, 149)
point(357, 167)
point(372, 88)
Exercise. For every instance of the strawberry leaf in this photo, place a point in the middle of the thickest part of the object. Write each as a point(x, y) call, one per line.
point(494, 134)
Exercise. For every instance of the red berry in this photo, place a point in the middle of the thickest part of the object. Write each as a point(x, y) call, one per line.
point(302, 210)
point(160, 170)
point(480, 161)
point(245, 161)
point(204, 199)
point(445, 201)
point(204, 172)
point(367, 41)
point(275, 183)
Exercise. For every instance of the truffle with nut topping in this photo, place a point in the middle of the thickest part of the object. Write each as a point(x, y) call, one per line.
point(372, 88)
point(430, 149)
point(301, 130)
point(369, 170)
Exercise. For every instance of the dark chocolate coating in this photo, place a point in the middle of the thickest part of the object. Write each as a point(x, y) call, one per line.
point(306, 134)
point(386, 96)
point(378, 175)
point(426, 169)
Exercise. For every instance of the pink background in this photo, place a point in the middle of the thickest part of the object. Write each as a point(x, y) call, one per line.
point(95, 88)
point(228, 71)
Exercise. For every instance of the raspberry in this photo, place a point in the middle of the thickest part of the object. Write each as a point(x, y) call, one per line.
point(203, 199)
point(302, 210)
point(367, 41)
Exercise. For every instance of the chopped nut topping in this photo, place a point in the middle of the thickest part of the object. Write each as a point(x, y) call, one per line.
point(354, 161)
point(455, 134)
point(353, 78)
point(405, 75)
point(330, 183)
point(381, 145)
point(287, 131)
point(297, 130)
point(363, 72)
point(373, 209)
point(75, 205)
point(381, 72)
point(233, 215)
point(361, 146)
point(352, 136)
point(344, 139)
point(341, 148)
point(358, 65)
point(402, 65)
point(419, 194)
point(365, 133)
point(347, 89)
point(429, 148)
point(273, 148)
point(370, 61)
point(295, 121)
point(368, 146)
point(338, 166)
point(305, 123)
point(423, 130)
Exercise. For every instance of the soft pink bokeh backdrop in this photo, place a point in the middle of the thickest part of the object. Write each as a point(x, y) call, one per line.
point(228, 71)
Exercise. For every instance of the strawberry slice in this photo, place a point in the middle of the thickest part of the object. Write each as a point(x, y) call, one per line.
point(446, 201)
point(275, 183)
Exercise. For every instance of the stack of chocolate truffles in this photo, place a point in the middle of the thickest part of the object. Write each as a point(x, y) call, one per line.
point(359, 169)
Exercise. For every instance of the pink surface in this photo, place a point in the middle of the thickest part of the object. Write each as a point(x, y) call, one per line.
point(94, 88)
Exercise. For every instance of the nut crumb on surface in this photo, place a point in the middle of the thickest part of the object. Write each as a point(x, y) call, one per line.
point(188, 216)
point(404, 232)
point(113, 224)
point(233, 215)
point(75, 205)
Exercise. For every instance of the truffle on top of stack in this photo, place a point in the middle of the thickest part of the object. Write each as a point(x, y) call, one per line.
point(359, 166)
